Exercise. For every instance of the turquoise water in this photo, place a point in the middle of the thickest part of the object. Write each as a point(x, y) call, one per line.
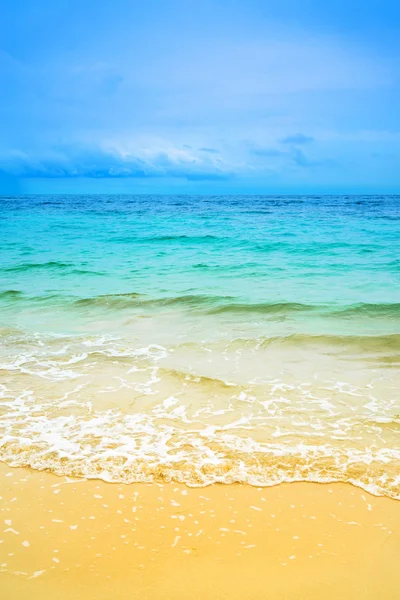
point(173, 337)
point(329, 250)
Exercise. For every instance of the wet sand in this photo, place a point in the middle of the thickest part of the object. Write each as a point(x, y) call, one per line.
point(82, 540)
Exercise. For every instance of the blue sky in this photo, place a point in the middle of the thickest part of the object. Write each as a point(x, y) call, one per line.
point(167, 96)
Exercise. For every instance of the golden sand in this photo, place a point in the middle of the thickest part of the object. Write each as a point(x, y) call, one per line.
point(67, 539)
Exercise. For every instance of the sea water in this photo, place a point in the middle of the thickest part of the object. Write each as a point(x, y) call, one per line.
point(251, 339)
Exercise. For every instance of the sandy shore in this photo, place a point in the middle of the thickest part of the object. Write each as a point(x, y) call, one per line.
point(71, 540)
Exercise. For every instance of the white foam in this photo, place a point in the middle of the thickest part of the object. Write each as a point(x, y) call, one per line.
point(193, 429)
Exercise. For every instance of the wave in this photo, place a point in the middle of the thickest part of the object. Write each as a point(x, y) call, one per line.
point(11, 295)
point(370, 310)
point(265, 308)
point(124, 414)
point(206, 304)
point(195, 239)
point(227, 304)
point(310, 247)
point(52, 264)
point(362, 343)
point(197, 460)
point(133, 299)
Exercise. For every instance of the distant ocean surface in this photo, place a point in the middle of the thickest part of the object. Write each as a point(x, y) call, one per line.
point(251, 339)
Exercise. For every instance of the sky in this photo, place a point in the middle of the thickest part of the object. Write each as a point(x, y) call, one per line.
point(173, 96)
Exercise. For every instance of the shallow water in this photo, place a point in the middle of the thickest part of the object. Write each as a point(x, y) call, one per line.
point(202, 339)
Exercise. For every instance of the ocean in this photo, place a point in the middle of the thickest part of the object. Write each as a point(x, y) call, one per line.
point(202, 339)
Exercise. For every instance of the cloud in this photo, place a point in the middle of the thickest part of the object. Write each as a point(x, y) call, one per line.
point(96, 163)
point(287, 157)
point(300, 159)
point(297, 139)
point(209, 150)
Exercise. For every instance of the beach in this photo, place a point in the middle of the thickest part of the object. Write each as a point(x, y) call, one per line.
point(74, 539)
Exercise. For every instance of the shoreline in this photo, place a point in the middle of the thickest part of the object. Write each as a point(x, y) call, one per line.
point(82, 539)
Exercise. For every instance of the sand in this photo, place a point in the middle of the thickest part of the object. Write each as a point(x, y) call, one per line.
point(64, 539)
